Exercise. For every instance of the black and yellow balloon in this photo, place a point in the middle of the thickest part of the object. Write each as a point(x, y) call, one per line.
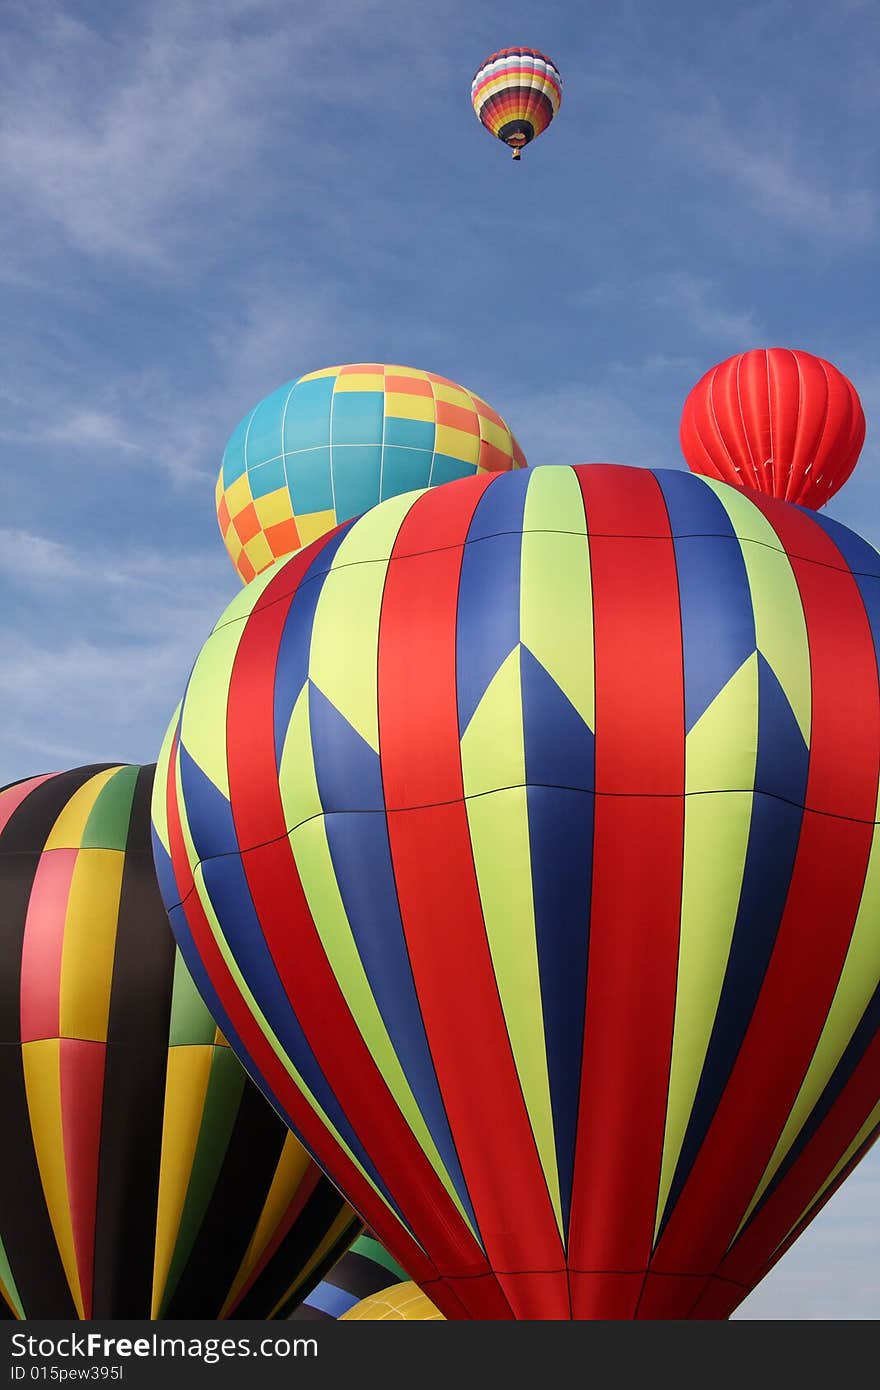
point(142, 1174)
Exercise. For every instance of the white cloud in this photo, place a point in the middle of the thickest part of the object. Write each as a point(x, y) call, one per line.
point(95, 428)
point(757, 162)
point(105, 136)
point(152, 140)
point(98, 645)
point(832, 1270)
point(592, 423)
point(697, 302)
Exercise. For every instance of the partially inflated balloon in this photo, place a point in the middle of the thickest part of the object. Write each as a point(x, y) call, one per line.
point(365, 1269)
point(523, 834)
point(515, 94)
point(399, 1303)
point(784, 422)
point(141, 1173)
point(334, 443)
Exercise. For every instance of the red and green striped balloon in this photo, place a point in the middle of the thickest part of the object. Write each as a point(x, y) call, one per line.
point(522, 835)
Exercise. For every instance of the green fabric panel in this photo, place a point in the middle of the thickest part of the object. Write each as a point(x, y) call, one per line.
point(191, 1023)
point(556, 614)
point(107, 825)
point(722, 748)
point(374, 535)
point(9, 1282)
point(780, 625)
point(554, 501)
point(499, 827)
point(720, 752)
point(345, 635)
point(345, 643)
point(315, 867)
point(203, 720)
point(159, 804)
point(225, 1088)
point(492, 746)
point(370, 1249)
point(297, 781)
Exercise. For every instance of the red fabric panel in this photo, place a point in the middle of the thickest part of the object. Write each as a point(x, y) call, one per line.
point(824, 895)
point(13, 796)
point(773, 1222)
point(42, 946)
point(637, 867)
point(293, 941)
point(606, 1295)
point(439, 896)
point(82, 1086)
point(361, 1195)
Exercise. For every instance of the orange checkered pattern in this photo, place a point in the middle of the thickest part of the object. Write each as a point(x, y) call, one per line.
point(336, 442)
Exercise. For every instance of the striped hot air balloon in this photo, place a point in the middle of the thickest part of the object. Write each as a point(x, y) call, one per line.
point(533, 821)
point(334, 443)
point(141, 1173)
point(515, 94)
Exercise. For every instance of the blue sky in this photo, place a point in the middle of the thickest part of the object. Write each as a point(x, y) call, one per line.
point(201, 201)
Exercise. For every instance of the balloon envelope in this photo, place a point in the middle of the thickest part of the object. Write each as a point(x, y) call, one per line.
point(399, 1303)
point(784, 422)
point(142, 1174)
point(334, 443)
point(365, 1269)
point(532, 820)
point(515, 94)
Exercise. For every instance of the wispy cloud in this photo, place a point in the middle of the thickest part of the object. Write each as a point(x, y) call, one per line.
point(142, 139)
point(92, 428)
point(691, 305)
point(110, 135)
point(773, 175)
point(700, 304)
point(591, 424)
point(98, 644)
point(832, 1270)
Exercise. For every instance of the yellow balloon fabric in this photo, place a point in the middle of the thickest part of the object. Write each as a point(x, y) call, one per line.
point(399, 1303)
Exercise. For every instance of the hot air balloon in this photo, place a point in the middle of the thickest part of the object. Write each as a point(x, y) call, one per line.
point(398, 1303)
point(515, 94)
point(334, 443)
point(784, 422)
point(522, 835)
point(365, 1269)
point(142, 1173)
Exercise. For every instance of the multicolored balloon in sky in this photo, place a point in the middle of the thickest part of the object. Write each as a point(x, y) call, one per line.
point(334, 443)
point(365, 1269)
point(515, 94)
point(523, 837)
point(141, 1173)
point(784, 422)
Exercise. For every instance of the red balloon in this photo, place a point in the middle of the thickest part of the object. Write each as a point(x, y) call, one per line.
point(781, 421)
